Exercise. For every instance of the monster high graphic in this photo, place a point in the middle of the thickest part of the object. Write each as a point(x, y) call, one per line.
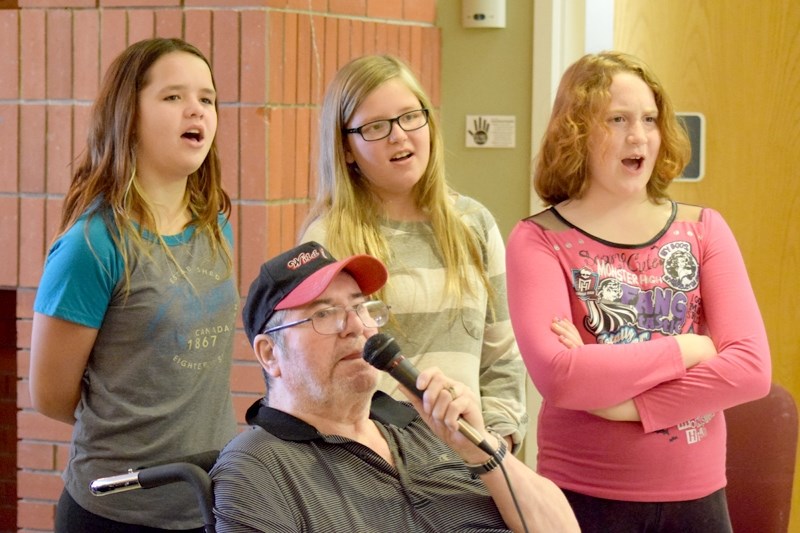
point(608, 318)
point(680, 266)
point(626, 298)
point(628, 301)
point(695, 429)
point(585, 282)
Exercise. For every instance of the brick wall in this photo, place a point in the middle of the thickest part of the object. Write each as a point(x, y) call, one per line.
point(272, 60)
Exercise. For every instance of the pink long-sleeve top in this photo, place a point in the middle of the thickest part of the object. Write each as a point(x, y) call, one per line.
point(627, 302)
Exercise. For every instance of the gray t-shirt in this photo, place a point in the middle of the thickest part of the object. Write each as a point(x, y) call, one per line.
point(157, 383)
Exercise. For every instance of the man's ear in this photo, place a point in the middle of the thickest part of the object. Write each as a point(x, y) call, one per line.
point(264, 348)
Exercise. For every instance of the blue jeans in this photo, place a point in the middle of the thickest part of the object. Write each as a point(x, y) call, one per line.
point(72, 518)
point(704, 515)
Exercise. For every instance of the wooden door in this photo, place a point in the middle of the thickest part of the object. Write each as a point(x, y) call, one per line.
point(738, 63)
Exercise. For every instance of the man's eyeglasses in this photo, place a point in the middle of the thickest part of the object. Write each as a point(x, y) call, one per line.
point(332, 320)
point(380, 129)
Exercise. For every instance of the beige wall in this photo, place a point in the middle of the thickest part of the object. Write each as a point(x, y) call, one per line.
point(488, 71)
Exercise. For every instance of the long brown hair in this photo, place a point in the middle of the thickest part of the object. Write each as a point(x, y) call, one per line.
point(104, 181)
point(583, 95)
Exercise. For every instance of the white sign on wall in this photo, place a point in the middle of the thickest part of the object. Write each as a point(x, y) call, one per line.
point(491, 131)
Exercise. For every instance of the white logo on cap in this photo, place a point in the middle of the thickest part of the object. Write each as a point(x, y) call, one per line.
point(304, 258)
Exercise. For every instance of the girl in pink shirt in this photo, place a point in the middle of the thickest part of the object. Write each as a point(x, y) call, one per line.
point(634, 314)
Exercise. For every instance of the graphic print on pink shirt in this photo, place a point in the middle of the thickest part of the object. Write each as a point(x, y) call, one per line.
point(623, 307)
point(620, 311)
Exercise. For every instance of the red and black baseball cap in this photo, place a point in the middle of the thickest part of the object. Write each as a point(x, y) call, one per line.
point(298, 276)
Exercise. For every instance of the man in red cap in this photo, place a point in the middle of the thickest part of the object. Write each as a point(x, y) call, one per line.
point(329, 453)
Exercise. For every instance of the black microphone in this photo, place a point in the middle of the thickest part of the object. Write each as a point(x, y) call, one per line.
point(383, 352)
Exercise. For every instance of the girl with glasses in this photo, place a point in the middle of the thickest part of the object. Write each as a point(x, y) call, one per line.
point(382, 191)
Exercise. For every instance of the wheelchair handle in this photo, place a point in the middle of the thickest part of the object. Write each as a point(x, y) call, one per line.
point(156, 476)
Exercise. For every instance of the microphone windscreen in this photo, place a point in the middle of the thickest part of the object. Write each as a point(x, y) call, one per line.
point(380, 349)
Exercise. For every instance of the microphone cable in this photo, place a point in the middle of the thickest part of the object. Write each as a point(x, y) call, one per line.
point(513, 496)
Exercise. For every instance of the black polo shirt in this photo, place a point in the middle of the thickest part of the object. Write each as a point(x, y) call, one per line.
point(283, 475)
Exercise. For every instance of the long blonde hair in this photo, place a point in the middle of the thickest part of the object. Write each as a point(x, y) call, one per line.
point(104, 182)
point(352, 213)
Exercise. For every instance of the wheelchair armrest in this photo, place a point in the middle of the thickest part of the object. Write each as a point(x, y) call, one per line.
point(186, 470)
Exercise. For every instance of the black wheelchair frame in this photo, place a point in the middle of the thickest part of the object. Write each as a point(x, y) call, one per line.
point(192, 469)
